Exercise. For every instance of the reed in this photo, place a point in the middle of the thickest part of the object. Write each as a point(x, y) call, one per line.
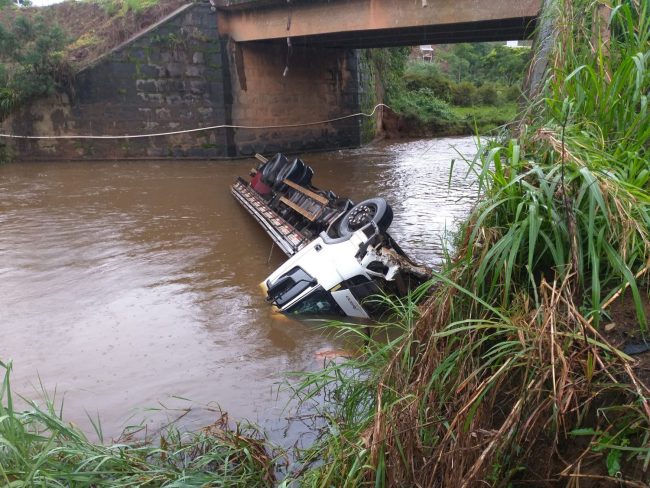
point(505, 374)
point(38, 448)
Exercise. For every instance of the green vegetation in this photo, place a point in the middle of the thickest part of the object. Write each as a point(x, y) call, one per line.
point(41, 48)
point(37, 448)
point(31, 65)
point(122, 7)
point(484, 118)
point(431, 96)
point(31, 62)
point(507, 374)
point(20, 3)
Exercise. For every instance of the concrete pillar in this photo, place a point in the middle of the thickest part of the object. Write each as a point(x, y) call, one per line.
point(276, 85)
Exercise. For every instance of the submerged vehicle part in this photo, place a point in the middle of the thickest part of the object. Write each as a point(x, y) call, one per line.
point(339, 253)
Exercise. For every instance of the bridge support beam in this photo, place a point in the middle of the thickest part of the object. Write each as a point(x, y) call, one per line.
point(377, 23)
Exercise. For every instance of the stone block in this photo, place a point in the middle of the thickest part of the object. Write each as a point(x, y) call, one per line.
point(137, 54)
point(150, 126)
point(174, 70)
point(121, 70)
point(175, 86)
point(173, 99)
point(198, 58)
point(153, 98)
point(247, 150)
point(157, 152)
point(148, 71)
point(205, 111)
point(197, 152)
point(163, 114)
point(197, 87)
point(195, 71)
point(147, 86)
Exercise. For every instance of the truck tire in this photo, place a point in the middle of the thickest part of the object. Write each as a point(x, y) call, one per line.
point(290, 171)
point(272, 168)
point(374, 209)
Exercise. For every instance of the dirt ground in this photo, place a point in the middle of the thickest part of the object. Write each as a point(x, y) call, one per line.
point(623, 329)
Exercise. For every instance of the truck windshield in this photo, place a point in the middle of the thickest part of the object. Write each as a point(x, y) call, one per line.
point(290, 285)
point(318, 302)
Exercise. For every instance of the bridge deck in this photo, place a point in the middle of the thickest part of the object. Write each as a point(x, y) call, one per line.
point(377, 23)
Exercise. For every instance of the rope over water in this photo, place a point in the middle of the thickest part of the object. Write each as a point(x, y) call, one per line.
point(224, 126)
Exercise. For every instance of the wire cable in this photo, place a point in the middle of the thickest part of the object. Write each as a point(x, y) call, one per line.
point(223, 126)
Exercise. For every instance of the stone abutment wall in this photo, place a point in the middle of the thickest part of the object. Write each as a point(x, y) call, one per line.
point(169, 78)
point(181, 75)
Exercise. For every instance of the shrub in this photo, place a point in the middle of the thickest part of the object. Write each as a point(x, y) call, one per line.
point(31, 61)
point(463, 93)
point(390, 64)
point(438, 84)
point(512, 93)
point(423, 105)
point(487, 94)
point(121, 7)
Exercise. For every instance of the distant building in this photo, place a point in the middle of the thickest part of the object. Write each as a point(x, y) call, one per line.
point(519, 43)
point(426, 52)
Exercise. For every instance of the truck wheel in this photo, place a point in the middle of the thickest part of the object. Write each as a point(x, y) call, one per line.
point(374, 209)
point(273, 167)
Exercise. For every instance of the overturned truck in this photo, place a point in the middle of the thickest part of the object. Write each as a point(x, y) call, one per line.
point(340, 253)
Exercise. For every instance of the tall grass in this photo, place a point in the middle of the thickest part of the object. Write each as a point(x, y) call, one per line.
point(38, 448)
point(122, 7)
point(506, 375)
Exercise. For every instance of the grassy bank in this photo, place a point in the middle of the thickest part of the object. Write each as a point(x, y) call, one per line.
point(512, 372)
point(38, 448)
point(465, 88)
point(485, 119)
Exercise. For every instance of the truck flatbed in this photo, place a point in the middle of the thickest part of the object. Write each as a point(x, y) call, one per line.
point(285, 236)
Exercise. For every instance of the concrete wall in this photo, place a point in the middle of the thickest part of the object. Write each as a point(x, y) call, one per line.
point(319, 84)
point(181, 74)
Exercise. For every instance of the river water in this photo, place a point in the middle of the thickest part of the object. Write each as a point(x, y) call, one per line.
point(131, 288)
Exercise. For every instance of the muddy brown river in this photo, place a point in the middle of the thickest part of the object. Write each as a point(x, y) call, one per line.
point(132, 287)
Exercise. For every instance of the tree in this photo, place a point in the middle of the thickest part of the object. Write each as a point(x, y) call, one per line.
point(20, 3)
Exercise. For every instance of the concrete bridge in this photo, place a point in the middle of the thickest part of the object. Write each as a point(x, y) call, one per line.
point(377, 23)
point(201, 68)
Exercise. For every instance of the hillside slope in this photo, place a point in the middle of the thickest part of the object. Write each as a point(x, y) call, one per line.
point(93, 28)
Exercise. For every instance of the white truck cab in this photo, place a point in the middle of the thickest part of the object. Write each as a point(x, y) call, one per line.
point(326, 276)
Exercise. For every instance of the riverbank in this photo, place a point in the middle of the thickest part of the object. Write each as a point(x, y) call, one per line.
point(482, 120)
point(462, 89)
point(515, 371)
